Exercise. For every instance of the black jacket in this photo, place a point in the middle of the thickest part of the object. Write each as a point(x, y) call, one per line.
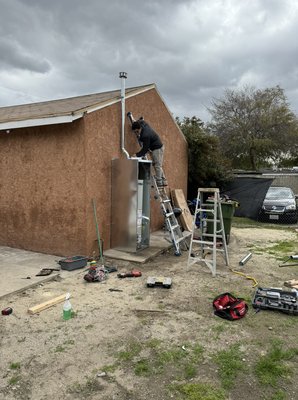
point(149, 139)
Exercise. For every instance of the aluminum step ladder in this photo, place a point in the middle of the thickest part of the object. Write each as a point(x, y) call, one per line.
point(178, 239)
point(210, 213)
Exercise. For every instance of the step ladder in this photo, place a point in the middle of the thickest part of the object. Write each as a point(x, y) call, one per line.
point(210, 213)
point(177, 237)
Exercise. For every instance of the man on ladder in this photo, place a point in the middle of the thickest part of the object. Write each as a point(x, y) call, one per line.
point(150, 141)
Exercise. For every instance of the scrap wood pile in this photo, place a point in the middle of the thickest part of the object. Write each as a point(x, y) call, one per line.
point(292, 283)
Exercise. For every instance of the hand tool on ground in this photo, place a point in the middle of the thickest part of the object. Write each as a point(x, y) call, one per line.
point(115, 290)
point(288, 259)
point(46, 271)
point(132, 274)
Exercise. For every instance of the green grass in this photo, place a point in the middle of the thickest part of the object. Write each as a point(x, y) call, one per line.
point(86, 389)
point(132, 350)
point(109, 368)
point(243, 222)
point(273, 366)
point(14, 380)
point(182, 360)
point(199, 391)
point(230, 363)
point(15, 365)
point(170, 356)
point(143, 367)
point(279, 395)
point(279, 249)
point(59, 349)
point(153, 343)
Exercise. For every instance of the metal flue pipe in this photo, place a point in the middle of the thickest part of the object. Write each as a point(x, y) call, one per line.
point(123, 76)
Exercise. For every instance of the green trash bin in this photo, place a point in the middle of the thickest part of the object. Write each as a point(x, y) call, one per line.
point(228, 210)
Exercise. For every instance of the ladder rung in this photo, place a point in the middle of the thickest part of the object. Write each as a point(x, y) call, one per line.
point(205, 210)
point(202, 241)
point(180, 239)
point(167, 215)
point(175, 226)
point(166, 201)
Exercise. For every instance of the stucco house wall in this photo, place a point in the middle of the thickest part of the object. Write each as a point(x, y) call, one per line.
point(50, 174)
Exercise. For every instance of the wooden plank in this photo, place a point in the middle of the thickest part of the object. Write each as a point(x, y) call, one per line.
point(291, 283)
point(40, 307)
point(178, 200)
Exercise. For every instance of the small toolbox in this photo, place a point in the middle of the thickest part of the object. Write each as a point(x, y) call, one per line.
point(74, 262)
point(276, 299)
point(159, 281)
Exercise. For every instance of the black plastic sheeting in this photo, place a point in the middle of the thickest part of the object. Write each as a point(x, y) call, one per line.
point(249, 192)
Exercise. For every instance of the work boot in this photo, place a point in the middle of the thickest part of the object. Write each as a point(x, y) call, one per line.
point(164, 182)
point(159, 183)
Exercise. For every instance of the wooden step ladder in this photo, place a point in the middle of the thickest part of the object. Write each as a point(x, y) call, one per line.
point(208, 208)
point(178, 239)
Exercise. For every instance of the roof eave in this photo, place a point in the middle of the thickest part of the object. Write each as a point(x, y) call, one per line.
point(61, 119)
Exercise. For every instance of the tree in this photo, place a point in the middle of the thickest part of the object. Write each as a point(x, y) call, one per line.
point(255, 127)
point(206, 166)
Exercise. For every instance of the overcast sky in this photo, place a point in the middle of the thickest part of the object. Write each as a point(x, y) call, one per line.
point(192, 50)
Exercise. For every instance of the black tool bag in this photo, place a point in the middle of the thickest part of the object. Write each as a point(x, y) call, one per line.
point(229, 307)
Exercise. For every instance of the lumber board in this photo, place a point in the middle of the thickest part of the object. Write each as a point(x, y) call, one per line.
point(292, 283)
point(49, 303)
point(178, 200)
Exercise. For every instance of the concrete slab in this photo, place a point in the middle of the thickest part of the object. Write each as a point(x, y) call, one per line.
point(158, 244)
point(18, 268)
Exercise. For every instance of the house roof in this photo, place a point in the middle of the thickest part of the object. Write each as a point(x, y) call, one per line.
point(62, 110)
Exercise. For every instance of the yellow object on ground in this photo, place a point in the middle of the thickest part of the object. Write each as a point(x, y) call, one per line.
point(245, 276)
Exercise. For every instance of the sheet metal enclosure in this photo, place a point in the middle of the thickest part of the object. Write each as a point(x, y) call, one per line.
point(130, 208)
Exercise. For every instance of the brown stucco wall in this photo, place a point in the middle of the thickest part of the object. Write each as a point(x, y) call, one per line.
point(42, 188)
point(50, 174)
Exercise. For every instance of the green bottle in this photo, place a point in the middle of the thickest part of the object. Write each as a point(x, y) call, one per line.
point(67, 308)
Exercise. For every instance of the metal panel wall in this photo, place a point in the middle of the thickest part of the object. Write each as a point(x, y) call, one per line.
point(130, 208)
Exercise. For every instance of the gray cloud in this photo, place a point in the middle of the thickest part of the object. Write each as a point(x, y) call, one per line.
point(13, 56)
point(193, 50)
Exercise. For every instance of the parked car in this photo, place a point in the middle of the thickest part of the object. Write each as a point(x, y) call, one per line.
point(279, 205)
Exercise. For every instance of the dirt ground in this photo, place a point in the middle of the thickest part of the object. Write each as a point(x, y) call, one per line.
point(107, 350)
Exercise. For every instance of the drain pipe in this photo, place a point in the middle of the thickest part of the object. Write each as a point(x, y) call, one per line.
point(123, 76)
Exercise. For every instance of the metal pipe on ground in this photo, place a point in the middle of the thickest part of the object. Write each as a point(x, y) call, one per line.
point(245, 259)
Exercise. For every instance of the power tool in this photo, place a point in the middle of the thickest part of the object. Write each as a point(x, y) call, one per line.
point(134, 273)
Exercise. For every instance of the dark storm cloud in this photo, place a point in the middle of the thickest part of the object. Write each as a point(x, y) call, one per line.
point(192, 50)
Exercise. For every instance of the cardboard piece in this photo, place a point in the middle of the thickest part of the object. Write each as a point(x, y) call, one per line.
point(186, 218)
